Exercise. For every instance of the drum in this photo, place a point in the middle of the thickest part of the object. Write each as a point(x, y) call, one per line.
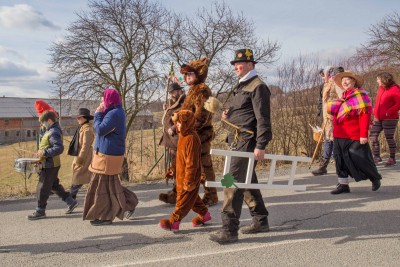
point(27, 165)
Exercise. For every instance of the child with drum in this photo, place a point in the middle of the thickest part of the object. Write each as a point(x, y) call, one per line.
point(50, 148)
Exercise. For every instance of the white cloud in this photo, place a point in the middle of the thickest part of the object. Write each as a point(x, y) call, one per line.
point(24, 16)
point(9, 69)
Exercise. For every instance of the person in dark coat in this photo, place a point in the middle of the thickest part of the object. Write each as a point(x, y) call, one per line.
point(50, 148)
point(250, 111)
point(169, 138)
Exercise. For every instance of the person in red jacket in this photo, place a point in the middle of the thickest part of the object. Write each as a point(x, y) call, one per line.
point(351, 121)
point(386, 116)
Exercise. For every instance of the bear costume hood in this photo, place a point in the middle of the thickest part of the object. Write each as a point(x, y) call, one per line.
point(200, 67)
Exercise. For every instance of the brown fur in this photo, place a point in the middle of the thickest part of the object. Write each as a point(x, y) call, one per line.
point(195, 100)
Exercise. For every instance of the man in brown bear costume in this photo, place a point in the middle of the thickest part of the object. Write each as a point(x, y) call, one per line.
point(188, 175)
point(195, 74)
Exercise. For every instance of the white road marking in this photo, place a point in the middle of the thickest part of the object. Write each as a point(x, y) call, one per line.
point(211, 253)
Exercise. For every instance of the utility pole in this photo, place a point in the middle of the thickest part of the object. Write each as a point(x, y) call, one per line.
point(59, 106)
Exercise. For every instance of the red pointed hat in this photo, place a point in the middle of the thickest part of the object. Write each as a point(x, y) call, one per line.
point(42, 106)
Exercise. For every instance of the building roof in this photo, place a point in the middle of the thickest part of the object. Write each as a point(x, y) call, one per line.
point(17, 107)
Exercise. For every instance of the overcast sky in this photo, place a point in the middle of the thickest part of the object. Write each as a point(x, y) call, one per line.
point(326, 29)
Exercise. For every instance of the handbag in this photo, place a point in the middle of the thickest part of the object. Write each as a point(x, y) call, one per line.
point(73, 149)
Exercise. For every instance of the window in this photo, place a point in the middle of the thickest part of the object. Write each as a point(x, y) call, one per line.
point(6, 122)
point(18, 133)
point(6, 133)
point(28, 133)
point(34, 133)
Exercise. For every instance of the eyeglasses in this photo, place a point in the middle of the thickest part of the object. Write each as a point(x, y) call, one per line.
point(189, 73)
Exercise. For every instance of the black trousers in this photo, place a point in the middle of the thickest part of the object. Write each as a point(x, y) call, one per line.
point(233, 197)
point(48, 181)
point(354, 159)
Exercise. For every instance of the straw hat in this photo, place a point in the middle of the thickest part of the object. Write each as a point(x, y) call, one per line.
point(338, 78)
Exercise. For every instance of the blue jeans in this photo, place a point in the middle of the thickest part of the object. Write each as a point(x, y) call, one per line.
point(328, 149)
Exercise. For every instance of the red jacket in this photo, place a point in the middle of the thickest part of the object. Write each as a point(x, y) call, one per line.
point(352, 127)
point(387, 103)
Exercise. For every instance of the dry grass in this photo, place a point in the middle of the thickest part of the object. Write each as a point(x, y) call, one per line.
point(140, 155)
point(12, 183)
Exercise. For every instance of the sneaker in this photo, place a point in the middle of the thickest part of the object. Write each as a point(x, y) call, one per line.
point(36, 216)
point(376, 184)
point(341, 188)
point(377, 159)
point(201, 220)
point(98, 222)
point(71, 207)
point(129, 214)
point(254, 228)
point(223, 237)
point(390, 162)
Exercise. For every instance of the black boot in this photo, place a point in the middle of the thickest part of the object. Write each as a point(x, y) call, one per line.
point(223, 237)
point(322, 168)
point(341, 188)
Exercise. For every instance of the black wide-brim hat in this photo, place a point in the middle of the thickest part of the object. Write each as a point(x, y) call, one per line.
point(243, 55)
point(83, 112)
point(174, 86)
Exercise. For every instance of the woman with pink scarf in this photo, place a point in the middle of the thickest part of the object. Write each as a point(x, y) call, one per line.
point(106, 198)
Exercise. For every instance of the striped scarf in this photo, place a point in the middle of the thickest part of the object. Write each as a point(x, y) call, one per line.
point(354, 102)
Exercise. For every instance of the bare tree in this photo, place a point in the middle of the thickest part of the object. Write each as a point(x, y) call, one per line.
point(115, 44)
point(296, 108)
point(383, 46)
point(215, 33)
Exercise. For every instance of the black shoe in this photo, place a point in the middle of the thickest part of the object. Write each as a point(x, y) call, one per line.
point(129, 214)
point(254, 228)
point(71, 207)
point(223, 237)
point(98, 222)
point(36, 216)
point(376, 184)
point(341, 188)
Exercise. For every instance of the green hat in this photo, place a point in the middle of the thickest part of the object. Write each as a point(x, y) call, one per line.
point(243, 55)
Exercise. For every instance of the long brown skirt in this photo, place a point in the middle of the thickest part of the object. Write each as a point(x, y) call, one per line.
point(106, 198)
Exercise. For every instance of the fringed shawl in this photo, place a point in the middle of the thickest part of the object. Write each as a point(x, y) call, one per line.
point(354, 102)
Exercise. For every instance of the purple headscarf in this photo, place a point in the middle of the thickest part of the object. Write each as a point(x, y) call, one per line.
point(111, 98)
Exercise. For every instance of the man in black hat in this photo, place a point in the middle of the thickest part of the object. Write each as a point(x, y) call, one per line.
point(250, 113)
point(169, 138)
point(81, 147)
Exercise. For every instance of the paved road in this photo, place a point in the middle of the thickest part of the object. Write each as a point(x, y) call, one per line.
point(312, 228)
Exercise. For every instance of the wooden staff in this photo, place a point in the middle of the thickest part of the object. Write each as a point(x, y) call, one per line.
point(318, 143)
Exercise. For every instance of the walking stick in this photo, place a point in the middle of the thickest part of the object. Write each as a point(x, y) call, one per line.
point(318, 143)
point(166, 149)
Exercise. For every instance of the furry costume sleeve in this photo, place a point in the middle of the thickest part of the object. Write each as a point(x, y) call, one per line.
point(198, 95)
